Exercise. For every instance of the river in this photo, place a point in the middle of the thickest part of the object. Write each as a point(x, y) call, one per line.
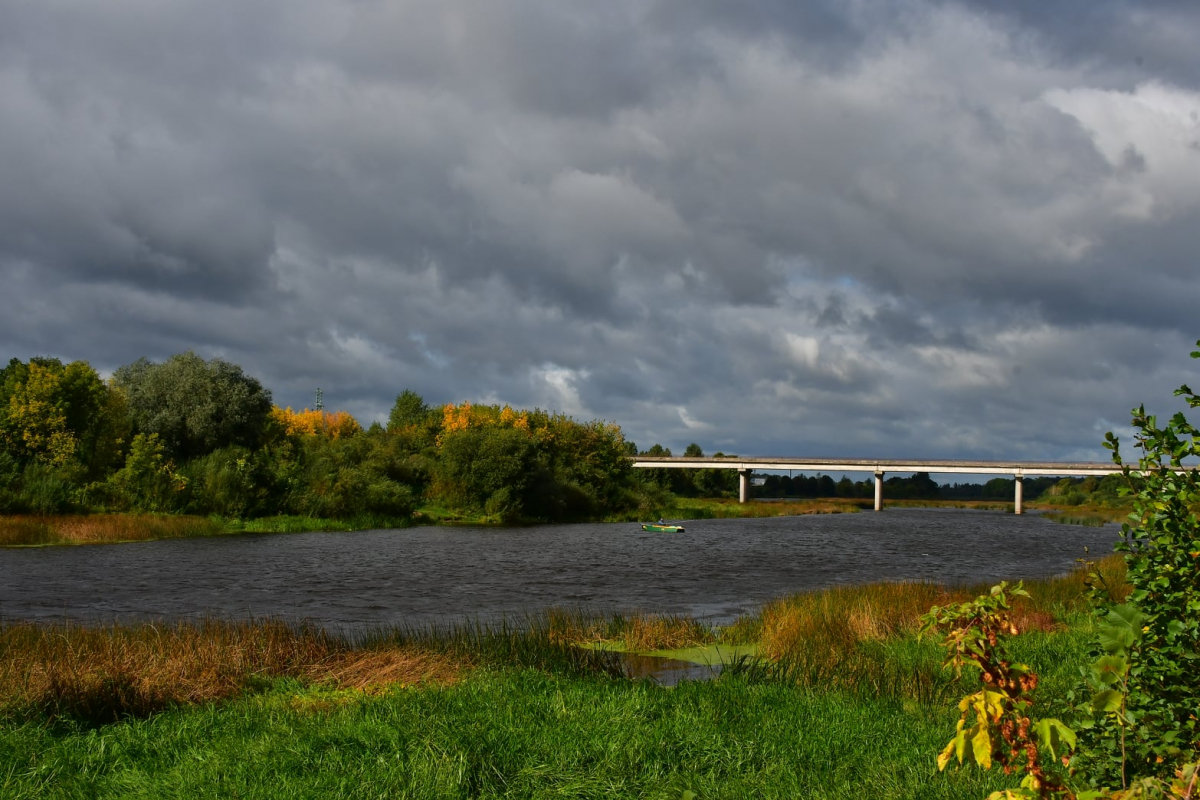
point(715, 571)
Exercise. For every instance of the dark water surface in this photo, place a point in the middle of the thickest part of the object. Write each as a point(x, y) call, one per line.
point(714, 571)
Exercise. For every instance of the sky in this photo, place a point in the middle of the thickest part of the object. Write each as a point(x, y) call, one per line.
point(863, 229)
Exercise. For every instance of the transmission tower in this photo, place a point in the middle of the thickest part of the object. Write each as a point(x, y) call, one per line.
point(320, 404)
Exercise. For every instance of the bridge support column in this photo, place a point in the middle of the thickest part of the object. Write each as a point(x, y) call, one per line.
point(879, 491)
point(743, 484)
point(1019, 501)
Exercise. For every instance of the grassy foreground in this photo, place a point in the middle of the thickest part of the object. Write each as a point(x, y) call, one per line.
point(849, 704)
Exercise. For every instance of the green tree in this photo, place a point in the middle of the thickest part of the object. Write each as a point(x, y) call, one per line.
point(195, 406)
point(147, 481)
point(409, 409)
point(349, 477)
point(57, 414)
point(488, 468)
point(693, 451)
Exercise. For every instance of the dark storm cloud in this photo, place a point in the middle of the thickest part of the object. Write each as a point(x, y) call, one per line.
point(1130, 40)
point(931, 228)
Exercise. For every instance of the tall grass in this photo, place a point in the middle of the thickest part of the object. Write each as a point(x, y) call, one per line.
point(730, 508)
point(862, 638)
point(635, 631)
point(1091, 516)
point(838, 618)
point(102, 528)
point(110, 528)
point(101, 674)
point(290, 523)
point(975, 505)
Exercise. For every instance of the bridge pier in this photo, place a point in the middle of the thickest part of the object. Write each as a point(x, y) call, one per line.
point(1018, 469)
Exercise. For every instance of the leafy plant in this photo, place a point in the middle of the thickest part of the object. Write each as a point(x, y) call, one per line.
point(1158, 725)
point(996, 726)
point(1141, 720)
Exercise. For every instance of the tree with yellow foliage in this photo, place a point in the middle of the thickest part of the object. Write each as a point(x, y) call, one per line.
point(310, 422)
point(54, 413)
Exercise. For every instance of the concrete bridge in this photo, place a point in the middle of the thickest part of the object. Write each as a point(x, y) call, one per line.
point(745, 466)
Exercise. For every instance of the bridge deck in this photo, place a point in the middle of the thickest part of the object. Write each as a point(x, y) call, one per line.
point(1016, 468)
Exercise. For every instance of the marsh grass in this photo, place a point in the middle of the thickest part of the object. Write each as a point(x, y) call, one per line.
point(863, 639)
point(299, 524)
point(974, 505)
point(634, 632)
point(730, 508)
point(545, 641)
point(102, 674)
point(1092, 516)
point(102, 528)
point(30, 530)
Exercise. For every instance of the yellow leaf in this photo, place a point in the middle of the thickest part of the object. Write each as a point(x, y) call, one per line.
point(946, 754)
point(981, 746)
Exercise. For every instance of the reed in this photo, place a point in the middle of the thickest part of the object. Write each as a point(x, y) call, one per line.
point(291, 523)
point(974, 505)
point(545, 641)
point(634, 632)
point(730, 508)
point(102, 528)
point(102, 674)
point(862, 638)
point(1089, 516)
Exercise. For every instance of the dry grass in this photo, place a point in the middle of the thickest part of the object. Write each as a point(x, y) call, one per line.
point(975, 505)
point(635, 632)
point(730, 508)
point(99, 674)
point(653, 632)
point(101, 528)
point(1083, 514)
point(836, 620)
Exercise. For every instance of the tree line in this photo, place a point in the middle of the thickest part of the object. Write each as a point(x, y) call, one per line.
point(197, 436)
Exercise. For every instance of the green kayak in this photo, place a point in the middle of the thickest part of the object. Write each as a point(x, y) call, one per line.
point(650, 526)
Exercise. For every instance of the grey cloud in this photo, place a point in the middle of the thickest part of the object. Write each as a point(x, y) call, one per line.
point(833, 228)
point(1127, 41)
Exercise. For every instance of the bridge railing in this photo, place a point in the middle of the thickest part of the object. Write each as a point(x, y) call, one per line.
point(1019, 470)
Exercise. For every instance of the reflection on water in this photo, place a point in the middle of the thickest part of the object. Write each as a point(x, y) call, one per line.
point(666, 671)
point(714, 572)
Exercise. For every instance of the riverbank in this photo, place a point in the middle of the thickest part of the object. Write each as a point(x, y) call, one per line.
point(846, 697)
point(78, 529)
point(31, 530)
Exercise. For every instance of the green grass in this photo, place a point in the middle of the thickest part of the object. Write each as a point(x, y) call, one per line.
point(298, 524)
point(504, 734)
